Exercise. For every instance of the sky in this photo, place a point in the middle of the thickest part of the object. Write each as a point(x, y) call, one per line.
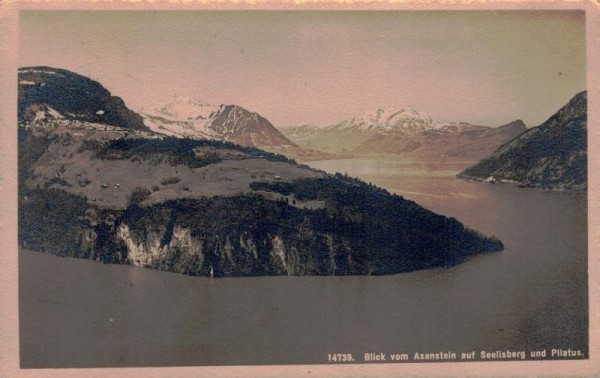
point(321, 67)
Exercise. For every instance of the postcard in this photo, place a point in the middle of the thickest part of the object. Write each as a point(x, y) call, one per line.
point(323, 189)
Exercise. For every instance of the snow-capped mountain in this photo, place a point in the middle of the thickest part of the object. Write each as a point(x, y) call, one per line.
point(186, 109)
point(406, 119)
point(462, 141)
point(185, 117)
point(405, 131)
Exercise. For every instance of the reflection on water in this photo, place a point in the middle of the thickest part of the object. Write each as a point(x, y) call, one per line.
point(416, 180)
point(531, 295)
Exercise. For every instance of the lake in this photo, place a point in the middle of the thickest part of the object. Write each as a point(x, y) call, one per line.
point(531, 296)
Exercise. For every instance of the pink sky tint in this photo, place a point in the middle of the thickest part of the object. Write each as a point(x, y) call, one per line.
point(320, 67)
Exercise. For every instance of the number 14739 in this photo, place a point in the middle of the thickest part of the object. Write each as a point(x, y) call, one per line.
point(340, 357)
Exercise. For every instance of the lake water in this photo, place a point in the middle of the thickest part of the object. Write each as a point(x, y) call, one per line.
point(531, 296)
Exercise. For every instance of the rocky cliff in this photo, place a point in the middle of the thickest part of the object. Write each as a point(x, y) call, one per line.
point(250, 235)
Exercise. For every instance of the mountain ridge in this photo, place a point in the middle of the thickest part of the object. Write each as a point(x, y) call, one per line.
point(233, 123)
point(41, 95)
point(402, 132)
point(550, 156)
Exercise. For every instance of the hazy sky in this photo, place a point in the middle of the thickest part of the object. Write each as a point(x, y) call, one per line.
point(321, 67)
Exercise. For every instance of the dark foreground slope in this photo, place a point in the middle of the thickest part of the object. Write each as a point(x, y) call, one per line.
point(551, 156)
point(249, 235)
point(52, 92)
point(124, 196)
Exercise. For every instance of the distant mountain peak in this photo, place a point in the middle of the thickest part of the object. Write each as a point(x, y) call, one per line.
point(516, 124)
point(186, 117)
point(185, 109)
point(406, 130)
point(404, 119)
point(408, 111)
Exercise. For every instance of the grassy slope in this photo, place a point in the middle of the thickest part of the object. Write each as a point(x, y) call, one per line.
point(244, 212)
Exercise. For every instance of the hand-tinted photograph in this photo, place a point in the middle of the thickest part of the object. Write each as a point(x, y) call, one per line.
point(214, 188)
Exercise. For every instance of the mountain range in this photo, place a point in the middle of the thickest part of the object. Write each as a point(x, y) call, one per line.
point(187, 118)
point(405, 131)
point(551, 156)
point(95, 182)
